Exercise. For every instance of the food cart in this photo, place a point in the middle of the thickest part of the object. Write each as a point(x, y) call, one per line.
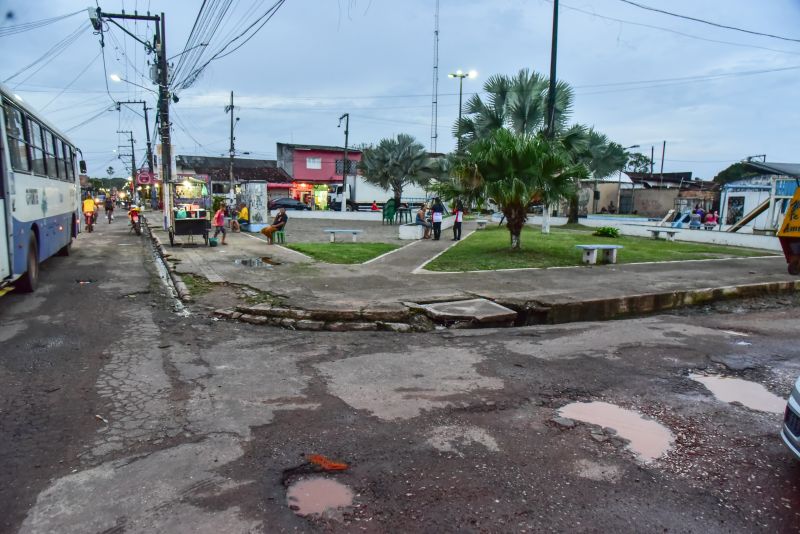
point(789, 233)
point(190, 215)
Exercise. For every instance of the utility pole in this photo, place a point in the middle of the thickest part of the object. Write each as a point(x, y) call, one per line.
point(435, 98)
point(345, 166)
point(133, 164)
point(159, 47)
point(551, 93)
point(146, 130)
point(661, 173)
point(232, 149)
point(652, 153)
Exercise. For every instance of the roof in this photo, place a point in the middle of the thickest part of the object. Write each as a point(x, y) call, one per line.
point(781, 169)
point(218, 169)
point(319, 147)
point(666, 177)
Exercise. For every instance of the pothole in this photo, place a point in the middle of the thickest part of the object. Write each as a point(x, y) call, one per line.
point(263, 261)
point(318, 495)
point(749, 394)
point(647, 439)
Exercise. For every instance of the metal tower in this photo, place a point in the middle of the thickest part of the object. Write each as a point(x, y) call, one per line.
point(435, 93)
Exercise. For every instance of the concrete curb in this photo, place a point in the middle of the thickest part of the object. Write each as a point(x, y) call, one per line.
point(177, 281)
point(617, 307)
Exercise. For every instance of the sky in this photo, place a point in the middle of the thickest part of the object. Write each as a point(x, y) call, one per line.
point(639, 76)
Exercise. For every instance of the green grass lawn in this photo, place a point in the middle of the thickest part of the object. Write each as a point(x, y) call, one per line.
point(489, 249)
point(342, 252)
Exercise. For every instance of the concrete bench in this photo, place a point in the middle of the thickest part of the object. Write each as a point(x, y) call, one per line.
point(481, 223)
point(670, 233)
point(590, 253)
point(334, 231)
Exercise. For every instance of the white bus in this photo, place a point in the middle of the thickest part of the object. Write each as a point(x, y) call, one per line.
point(39, 192)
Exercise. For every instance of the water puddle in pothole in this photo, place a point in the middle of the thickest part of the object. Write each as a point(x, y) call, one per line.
point(318, 495)
point(648, 439)
point(749, 394)
point(264, 261)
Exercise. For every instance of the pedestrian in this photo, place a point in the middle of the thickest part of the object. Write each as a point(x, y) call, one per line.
point(437, 215)
point(278, 223)
point(421, 221)
point(459, 213)
point(109, 205)
point(219, 222)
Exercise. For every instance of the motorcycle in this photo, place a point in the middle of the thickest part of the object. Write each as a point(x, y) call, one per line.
point(89, 217)
point(136, 224)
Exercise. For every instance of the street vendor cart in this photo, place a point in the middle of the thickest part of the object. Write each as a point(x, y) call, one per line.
point(189, 216)
point(789, 233)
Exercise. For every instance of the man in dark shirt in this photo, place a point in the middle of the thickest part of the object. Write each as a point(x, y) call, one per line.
point(277, 224)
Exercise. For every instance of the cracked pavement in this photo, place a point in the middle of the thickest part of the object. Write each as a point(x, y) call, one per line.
point(119, 415)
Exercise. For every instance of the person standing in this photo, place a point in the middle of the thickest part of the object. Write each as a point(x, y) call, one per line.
point(219, 222)
point(437, 214)
point(422, 222)
point(459, 213)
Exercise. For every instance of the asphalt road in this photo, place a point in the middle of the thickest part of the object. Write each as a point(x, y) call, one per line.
point(120, 415)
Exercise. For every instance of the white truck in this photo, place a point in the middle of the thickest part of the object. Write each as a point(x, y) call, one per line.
point(360, 195)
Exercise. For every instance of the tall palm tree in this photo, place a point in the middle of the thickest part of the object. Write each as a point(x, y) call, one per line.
point(397, 162)
point(516, 169)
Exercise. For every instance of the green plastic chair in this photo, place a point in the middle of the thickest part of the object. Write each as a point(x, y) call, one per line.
point(389, 210)
point(279, 237)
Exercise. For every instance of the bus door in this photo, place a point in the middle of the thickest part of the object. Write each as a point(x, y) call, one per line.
point(5, 228)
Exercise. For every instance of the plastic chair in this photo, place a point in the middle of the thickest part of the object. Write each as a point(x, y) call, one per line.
point(389, 210)
point(279, 236)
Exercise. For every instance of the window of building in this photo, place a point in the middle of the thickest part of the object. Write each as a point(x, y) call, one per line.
point(313, 163)
point(351, 166)
point(50, 154)
point(15, 133)
point(36, 148)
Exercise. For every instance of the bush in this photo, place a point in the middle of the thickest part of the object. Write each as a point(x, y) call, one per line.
point(606, 231)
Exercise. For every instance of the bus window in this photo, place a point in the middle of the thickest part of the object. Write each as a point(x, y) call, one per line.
point(36, 148)
point(66, 161)
point(15, 133)
point(51, 152)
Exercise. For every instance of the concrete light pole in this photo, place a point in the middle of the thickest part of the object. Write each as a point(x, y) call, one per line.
point(345, 166)
point(619, 183)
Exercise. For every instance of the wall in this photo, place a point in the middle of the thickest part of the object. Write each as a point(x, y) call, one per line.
point(654, 202)
point(327, 172)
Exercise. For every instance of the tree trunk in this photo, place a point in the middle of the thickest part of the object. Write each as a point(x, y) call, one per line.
point(515, 217)
point(546, 219)
point(573, 209)
point(398, 194)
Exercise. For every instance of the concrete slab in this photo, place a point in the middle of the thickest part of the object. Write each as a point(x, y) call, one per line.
point(481, 310)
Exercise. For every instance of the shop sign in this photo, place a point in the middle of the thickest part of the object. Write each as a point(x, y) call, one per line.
point(791, 222)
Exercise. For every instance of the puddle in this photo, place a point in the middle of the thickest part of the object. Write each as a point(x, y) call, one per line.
point(648, 439)
point(744, 343)
point(264, 261)
point(749, 394)
point(318, 495)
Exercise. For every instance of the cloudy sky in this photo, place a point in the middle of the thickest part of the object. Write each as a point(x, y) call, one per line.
point(640, 77)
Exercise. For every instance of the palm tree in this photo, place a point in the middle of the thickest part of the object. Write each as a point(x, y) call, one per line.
point(516, 169)
point(397, 162)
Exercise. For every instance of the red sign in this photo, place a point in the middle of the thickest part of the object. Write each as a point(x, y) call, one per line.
point(144, 177)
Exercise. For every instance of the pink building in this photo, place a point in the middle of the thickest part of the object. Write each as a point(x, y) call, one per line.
point(313, 168)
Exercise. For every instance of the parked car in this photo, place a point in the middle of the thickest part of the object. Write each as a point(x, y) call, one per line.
point(288, 203)
point(791, 421)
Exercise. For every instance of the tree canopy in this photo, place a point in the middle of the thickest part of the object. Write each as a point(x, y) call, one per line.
point(396, 162)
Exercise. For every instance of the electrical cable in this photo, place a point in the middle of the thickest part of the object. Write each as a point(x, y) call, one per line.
point(75, 79)
point(50, 54)
point(28, 26)
point(710, 23)
point(669, 30)
point(87, 121)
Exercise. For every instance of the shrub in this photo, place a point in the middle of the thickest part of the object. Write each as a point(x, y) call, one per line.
point(606, 231)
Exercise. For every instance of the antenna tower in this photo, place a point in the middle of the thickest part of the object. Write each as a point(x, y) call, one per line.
point(435, 93)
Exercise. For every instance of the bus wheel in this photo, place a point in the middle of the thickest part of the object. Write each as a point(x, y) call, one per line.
point(66, 250)
point(28, 282)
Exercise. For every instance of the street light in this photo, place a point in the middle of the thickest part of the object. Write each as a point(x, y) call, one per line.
point(461, 75)
point(619, 184)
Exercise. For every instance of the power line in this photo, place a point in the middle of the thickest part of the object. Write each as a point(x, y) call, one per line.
point(53, 52)
point(669, 30)
point(75, 79)
point(710, 23)
point(28, 26)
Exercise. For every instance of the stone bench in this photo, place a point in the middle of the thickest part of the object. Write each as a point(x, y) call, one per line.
point(334, 231)
point(590, 253)
point(670, 233)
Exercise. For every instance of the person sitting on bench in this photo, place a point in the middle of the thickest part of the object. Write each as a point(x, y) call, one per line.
point(278, 224)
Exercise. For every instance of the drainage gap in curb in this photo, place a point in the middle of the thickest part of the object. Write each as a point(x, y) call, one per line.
point(264, 261)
